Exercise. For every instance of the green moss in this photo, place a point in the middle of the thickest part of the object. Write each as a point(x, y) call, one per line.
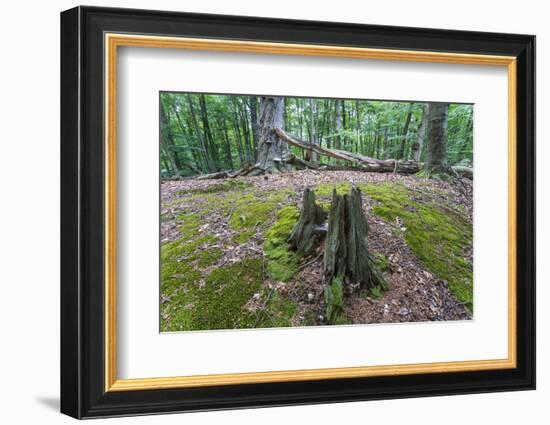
point(250, 214)
point(252, 211)
point(334, 301)
point(438, 235)
point(282, 264)
point(326, 189)
point(219, 303)
point(279, 312)
point(381, 261)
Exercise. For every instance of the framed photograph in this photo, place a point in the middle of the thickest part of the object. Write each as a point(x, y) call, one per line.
point(261, 212)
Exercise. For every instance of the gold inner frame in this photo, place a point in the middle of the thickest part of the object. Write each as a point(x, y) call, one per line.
point(113, 41)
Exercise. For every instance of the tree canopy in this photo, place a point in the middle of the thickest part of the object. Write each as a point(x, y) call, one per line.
point(203, 133)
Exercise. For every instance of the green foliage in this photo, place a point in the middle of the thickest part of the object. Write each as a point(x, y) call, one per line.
point(206, 133)
point(282, 263)
point(376, 292)
point(438, 235)
point(334, 300)
point(381, 261)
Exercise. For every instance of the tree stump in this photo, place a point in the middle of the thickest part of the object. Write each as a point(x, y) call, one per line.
point(310, 227)
point(346, 248)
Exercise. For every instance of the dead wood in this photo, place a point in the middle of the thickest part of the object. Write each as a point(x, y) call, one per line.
point(346, 250)
point(309, 229)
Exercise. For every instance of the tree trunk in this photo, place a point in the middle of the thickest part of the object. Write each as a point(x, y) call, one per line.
point(310, 227)
point(237, 131)
point(419, 143)
point(207, 133)
point(338, 123)
point(253, 105)
point(228, 157)
point(271, 150)
point(200, 136)
point(401, 153)
point(346, 251)
point(167, 142)
point(437, 139)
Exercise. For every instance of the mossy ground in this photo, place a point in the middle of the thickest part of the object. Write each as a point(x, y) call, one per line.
point(192, 301)
point(197, 294)
point(439, 236)
point(282, 263)
point(219, 302)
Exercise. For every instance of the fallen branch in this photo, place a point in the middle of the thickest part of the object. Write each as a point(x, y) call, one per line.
point(364, 163)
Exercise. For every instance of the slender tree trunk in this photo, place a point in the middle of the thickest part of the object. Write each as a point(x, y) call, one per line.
point(253, 105)
point(237, 131)
point(404, 134)
point(228, 156)
point(207, 133)
point(417, 146)
point(246, 134)
point(167, 140)
point(437, 138)
point(310, 155)
point(338, 124)
point(358, 148)
point(199, 134)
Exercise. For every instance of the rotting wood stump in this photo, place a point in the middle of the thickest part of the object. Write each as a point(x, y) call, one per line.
point(346, 255)
point(346, 248)
point(310, 228)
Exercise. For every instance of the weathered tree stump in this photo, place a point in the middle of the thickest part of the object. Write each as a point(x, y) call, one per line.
point(346, 248)
point(310, 227)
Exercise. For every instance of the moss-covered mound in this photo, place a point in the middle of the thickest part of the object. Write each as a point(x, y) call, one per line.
point(282, 263)
point(439, 236)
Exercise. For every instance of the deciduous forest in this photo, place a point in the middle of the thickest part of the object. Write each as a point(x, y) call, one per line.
point(204, 134)
point(287, 211)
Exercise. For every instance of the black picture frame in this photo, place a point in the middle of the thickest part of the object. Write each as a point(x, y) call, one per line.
point(82, 219)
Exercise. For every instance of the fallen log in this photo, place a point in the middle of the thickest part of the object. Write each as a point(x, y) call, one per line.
point(216, 175)
point(288, 162)
point(364, 163)
point(462, 171)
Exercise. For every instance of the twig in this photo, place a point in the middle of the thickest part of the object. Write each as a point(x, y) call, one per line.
point(303, 266)
point(262, 309)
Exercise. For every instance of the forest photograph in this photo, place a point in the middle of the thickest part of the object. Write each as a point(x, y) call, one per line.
point(294, 211)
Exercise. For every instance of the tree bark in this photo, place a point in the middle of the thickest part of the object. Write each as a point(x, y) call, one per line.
point(310, 227)
point(338, 123)
point(346, 250)
point(272, 151)
point(437, 139)
point(253, 105)
point(419, 143)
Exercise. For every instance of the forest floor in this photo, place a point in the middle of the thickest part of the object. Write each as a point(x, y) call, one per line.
point(225, 262)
